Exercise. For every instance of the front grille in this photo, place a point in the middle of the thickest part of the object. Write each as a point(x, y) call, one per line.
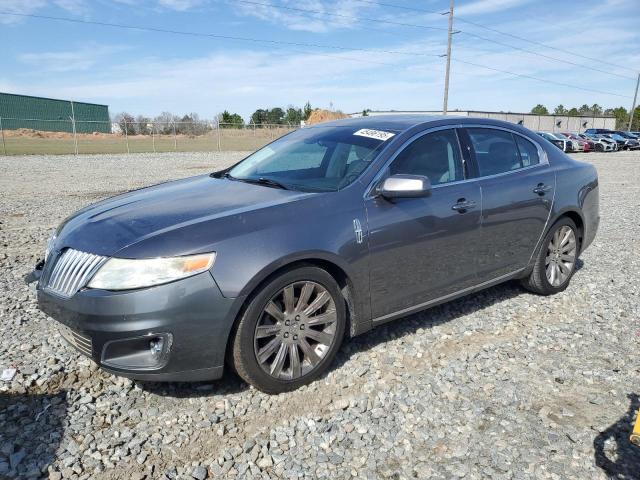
point(77, 340)
point(72, 271)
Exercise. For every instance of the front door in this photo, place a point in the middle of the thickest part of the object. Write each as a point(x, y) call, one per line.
point(517, 194)
point(423, 248)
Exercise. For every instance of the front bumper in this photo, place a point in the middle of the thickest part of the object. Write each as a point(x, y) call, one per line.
point(115, 329)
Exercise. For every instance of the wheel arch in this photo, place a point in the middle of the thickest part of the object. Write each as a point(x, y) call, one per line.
point(577, 218)
point(324, 261)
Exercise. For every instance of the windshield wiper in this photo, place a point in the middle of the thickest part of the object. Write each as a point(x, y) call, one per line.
point(259, 181)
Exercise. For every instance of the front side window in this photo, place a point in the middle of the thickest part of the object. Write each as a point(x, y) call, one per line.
point(496, 151)
point(314, 158)
point(434, 155)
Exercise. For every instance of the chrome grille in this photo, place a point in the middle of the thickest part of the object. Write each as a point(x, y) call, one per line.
point(72, 271)
point(77, 340)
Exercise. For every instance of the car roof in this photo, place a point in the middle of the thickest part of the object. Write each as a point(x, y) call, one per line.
point(402, 122)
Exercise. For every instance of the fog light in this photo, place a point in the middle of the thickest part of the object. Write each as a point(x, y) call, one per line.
point(156, 346)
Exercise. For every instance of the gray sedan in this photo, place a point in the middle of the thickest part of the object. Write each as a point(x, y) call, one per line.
point(323, 234)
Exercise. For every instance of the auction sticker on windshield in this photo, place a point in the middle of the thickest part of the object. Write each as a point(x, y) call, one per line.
point(377, 134)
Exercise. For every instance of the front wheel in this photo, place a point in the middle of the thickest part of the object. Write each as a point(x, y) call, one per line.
point(556, 261)
point(290, 331)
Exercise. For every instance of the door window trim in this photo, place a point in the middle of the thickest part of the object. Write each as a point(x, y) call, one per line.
point(474, 171)
point(369, 191)
point(543, 160)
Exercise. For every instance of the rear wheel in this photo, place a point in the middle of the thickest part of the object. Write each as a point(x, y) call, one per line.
point(291, 330)
point(556, 261)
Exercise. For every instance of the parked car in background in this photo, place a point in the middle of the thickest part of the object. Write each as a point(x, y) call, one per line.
point(599, 145)
point(605, 139)
point(575, 147)
point(561, 144)
point(632, 143)
point(268, 265)
point(623, 142)
point(583, 145)
point(597, 131)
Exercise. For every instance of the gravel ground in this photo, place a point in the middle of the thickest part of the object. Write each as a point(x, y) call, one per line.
point(500, 384)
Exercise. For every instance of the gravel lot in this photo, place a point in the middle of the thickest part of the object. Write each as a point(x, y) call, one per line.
point(500, 384)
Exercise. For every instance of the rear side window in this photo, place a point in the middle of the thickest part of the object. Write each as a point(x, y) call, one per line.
point(528, 151)
point(497, 151)
point(435, 155)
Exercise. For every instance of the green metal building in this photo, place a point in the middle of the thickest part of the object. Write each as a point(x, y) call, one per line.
point(48, 114)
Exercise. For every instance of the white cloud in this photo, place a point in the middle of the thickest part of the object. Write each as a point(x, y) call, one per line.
point(28, 7)
point(179, 5)
point(68, 61)
point(19, 6)
point(341, 13)
point(480, 7)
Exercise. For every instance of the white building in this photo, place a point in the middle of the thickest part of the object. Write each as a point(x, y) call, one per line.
point(539, 123)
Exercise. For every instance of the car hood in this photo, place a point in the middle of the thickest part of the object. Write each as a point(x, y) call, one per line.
point(106, 227)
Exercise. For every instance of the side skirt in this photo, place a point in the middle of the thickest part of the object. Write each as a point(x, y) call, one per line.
point(437, 301)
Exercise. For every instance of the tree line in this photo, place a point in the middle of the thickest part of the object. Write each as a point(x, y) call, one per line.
point(190, 124)
point(620, 113)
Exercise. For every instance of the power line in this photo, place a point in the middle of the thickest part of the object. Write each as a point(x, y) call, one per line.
point(531, 77)
point(297, 44)
point(531, 52)
point(214, 35)
point(350, 17)
point(500, 32)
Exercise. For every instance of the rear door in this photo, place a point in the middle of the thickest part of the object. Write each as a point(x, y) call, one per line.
point(517, 188)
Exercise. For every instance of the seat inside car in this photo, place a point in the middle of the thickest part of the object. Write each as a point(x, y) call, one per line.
point(431, 157)
point(501, 155)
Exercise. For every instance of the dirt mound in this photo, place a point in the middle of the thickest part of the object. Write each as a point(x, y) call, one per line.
point(319, 115)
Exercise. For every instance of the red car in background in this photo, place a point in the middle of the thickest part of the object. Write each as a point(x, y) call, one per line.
point(585, 145)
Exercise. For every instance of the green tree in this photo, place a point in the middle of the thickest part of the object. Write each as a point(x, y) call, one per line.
point(621, 114)
point(540, 110)
point(275, 116)
point(596, 110)
point(293, 116)
point(560, 110)
point(365, 112)
point(230, 120)
point(307, 110)
point(574, 112)
point(635, 126)
point(585, 110)
point(259, 117)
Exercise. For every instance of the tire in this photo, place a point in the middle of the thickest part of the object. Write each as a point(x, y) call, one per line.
point(281, 342)
point(551, 253)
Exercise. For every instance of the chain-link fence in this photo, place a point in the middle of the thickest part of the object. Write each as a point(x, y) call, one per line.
point(26, 136)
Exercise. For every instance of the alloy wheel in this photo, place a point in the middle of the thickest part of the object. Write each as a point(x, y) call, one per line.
point(561, 256)
point(296, 330)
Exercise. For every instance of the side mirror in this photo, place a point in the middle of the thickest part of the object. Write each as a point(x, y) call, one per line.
point(405, 186)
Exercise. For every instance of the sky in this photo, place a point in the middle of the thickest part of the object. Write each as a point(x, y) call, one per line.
point(241, 55)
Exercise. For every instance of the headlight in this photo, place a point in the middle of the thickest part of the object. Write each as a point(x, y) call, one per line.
point(126, 274)
point(50, 244)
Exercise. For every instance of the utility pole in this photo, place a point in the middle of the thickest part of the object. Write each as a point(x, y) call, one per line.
point(633, 107)
point(446, 75)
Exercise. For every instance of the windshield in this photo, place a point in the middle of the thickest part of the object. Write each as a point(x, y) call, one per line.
point(314, 159)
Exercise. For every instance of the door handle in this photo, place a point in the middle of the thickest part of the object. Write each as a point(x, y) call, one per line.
point(463, 205)
point(541, 189)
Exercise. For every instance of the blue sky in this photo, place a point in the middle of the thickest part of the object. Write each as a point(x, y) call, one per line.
point(394, 66)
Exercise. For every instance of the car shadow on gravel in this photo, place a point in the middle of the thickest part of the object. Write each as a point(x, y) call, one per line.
point(614, 453)
point(31, 429)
